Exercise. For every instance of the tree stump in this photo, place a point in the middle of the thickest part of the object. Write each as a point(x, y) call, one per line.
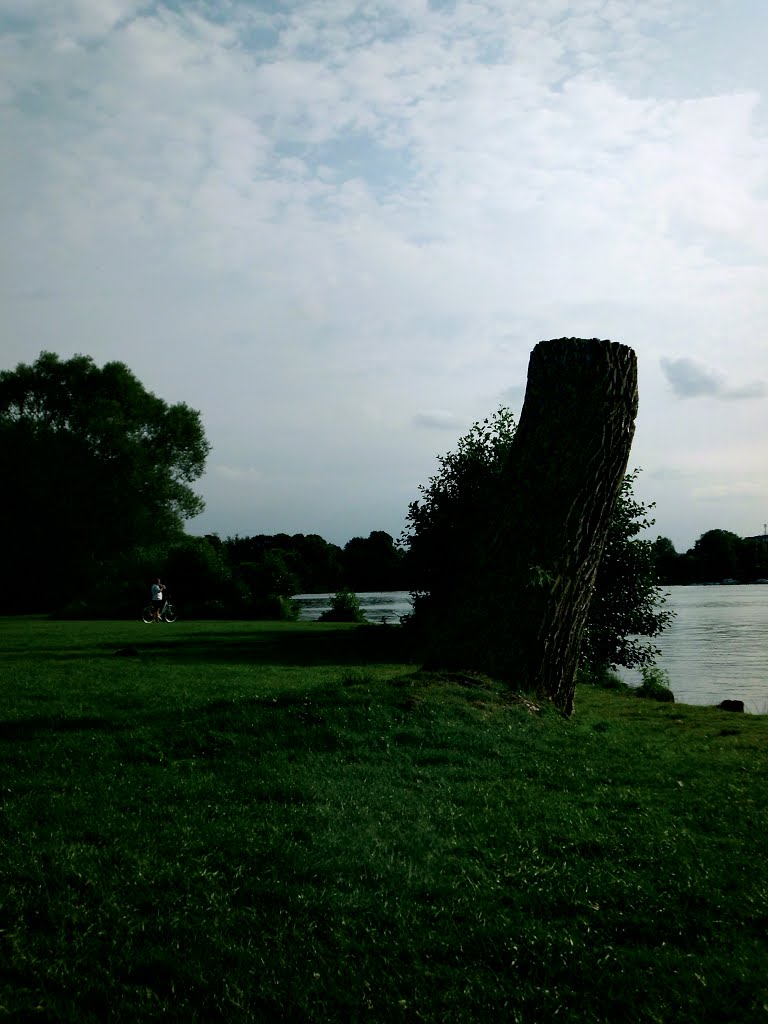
point(545, 541)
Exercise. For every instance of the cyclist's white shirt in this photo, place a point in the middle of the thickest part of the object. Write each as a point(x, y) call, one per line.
point(156, 592)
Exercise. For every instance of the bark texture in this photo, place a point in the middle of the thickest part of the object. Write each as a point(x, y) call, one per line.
point(566, 465)
point(541, 553)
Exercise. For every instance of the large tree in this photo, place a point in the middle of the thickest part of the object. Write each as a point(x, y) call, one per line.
point(451, 527)
point(93, 464)
point(719, 555)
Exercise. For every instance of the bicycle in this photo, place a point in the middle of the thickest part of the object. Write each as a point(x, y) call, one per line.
point(167, 612)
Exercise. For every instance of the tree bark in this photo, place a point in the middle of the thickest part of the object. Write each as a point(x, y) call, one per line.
point(567, 462)
point(565, 467)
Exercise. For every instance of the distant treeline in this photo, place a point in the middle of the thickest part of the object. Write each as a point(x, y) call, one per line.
point(240, 577)
point(255, 577)
point(716, 556)
point(308, 564)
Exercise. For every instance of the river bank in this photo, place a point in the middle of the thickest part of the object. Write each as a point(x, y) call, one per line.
point(715, 649)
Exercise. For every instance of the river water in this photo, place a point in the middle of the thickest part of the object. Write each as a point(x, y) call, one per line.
point(378, 606)
point(715, 648)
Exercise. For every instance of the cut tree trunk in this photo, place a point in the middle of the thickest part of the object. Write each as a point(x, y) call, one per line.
point(564, 471)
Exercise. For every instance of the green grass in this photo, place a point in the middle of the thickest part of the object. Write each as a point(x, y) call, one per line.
point(261, 822)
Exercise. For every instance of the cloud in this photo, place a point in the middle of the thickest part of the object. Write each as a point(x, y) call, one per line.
point(513, 396)
point(690, 379)
point(662, 473)
point(293, 214)
point(729, 491)
point(237, 474)
point(437, 419)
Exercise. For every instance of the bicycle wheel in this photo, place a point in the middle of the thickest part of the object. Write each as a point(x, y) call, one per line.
point(147, 613)
point(170, 613)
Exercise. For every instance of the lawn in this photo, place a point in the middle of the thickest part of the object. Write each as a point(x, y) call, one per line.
point(290, 822)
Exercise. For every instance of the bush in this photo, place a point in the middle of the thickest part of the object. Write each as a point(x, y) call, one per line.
point(655, 685)
point(276, 606)
point(345, 607)
point(602, 676)
point(74, 610)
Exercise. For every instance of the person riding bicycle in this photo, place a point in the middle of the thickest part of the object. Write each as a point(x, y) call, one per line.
point(157, 599)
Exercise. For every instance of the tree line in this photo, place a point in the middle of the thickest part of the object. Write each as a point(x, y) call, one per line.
point(717, 556)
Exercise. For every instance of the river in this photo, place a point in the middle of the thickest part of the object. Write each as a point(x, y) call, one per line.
point(715, 648)
point(379, 605)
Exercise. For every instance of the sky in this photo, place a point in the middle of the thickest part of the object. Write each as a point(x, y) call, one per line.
point(339, 228)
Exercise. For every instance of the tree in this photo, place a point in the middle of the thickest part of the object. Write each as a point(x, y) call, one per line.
point(93, 465)
point(718, 554)
point(450, 528)
point(668, 561)
point(318, 563)
point(270, 575)
point(373, 562)
point(313, 562)
point(754, 558)
point(561, 479)
point(198, 575)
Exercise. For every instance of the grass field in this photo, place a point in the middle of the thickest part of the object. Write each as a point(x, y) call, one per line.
point(288, 822)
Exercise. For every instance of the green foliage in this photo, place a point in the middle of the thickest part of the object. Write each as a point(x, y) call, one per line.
point(602, 676)
point(716, 556)
point(310, 564)
point(448, 533)
point(373, 563)
point(99, 466)
point(269, 575)
point(655, 684)
point(345, 607)
point(241, 577)
point(717, 552)
point(447, 529)
point(626, 604)
point(665, 558)
point(296, 564)
point(196, 573)
point(278, 607)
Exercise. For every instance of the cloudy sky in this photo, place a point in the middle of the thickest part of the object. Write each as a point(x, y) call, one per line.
point(338, 228)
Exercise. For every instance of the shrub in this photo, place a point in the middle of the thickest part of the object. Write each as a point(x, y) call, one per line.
point(277, 606)
point(603, 676)
point(655, 685)
point(345, 607)
point(265, 607)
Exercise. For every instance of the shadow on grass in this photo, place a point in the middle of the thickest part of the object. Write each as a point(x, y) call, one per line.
point(295, 646)
point(30, 728)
